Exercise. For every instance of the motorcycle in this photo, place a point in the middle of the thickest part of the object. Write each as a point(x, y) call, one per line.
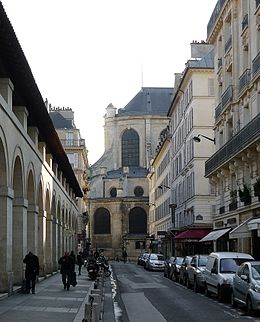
point(93, 270)
point(103, 264)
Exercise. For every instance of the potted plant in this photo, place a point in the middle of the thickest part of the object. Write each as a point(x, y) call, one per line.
point(257, 187)
point(244, 195)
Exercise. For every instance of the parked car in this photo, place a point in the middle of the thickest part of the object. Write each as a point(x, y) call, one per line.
point(168, 265)
point(175, 268)
point(220, 270)
point(155, 262)
point(183, 270)
point(139, 259)
point(195, 277)
point(246, 286)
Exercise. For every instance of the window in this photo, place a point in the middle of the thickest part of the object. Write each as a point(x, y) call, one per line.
point(138, 191)
point(102, 221)
point(113, 192)
point(137, 221)
point(73, 159)
point(130, 148)
point(69, 139)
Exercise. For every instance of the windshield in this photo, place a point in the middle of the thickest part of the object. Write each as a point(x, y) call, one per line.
point(203, 261)
point(230, 265)
point(179, 260)
point(256, 272)
point(157, 257)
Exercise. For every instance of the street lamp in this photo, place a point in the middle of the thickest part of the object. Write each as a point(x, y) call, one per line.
point(163, 186)
point(197, 139)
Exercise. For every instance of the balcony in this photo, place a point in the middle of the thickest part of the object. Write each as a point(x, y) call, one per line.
point(245, 22)
point(215, 15)
point(244, 80)
point(236, 144)
point(73, 143)
point(228, 44)
point(218, 111)
point(256, 65)
point(227, 96)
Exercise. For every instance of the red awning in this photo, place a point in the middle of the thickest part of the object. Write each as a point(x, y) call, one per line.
point(192, 234)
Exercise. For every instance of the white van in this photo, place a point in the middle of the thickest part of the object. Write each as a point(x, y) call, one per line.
point(220, 270)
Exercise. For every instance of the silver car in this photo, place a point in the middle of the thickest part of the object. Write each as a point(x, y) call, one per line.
point(246, 286)
point(155, 262)
point(195, 277)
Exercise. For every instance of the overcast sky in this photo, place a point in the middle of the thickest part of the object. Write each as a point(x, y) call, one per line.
point(85, 54)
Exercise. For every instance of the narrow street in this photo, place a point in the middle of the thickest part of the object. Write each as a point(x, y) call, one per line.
point(149, 296)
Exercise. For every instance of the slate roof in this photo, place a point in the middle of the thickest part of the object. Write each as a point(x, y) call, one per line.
point(60, 122)
point(205, 62)
point(149, 101)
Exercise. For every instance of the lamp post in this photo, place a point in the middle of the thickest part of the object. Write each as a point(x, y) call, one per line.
point(173, 206)
point(197, 139)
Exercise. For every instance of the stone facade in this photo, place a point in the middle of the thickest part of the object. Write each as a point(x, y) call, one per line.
point(38, 188)
point(119, 184)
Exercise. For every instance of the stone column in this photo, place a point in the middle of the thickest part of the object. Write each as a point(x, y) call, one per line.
point(6, 218)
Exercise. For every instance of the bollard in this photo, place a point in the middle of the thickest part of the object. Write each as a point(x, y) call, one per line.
point(88, 312)
point(95, 313)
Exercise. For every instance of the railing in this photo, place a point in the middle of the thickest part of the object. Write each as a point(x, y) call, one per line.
point(218, 110)
point(227, 96)
point(245, 22)
point(215, 15)
point(236, 144)
point(72, 143)
point(228, 44)
point(244, 79)
point(256, 64)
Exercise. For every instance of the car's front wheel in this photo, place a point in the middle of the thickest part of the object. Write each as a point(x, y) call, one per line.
point(207, 292)
point(249, 306)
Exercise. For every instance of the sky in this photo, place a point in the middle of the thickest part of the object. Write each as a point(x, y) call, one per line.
point(86, 54)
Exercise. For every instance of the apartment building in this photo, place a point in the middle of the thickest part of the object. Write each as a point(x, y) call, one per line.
point(191, 117)
point(234, 168)
point(76, 151)
point(38, 188)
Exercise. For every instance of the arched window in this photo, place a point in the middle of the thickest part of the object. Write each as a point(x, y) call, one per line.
point(137, 221)
point(130, 148)
point(102, 221)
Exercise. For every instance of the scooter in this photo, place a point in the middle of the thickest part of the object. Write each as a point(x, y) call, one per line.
point(92, 269)
point(103, 264)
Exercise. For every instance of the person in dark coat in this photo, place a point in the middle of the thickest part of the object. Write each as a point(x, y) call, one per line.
point(74, 259)
point(67, 268)
point(124, 255)
point(80, 261)
point(31, 271)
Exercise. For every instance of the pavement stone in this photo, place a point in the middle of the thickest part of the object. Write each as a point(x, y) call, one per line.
point(50, 303)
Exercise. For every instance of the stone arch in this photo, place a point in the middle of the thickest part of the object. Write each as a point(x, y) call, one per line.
point(19, 210)
point(102, 221)
point(130, 148)
point(48, 229)
point(137, 221)
point(41, 225)
point(32, 221)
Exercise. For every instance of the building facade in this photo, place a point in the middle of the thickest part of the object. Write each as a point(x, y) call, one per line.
point(38, 188)
point(234, 168)
point(76, 151)
point(119, 191)
point(191, 116)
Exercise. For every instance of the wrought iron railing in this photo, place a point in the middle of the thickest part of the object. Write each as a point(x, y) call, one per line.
point(237, 143)
point(244, 80)
point(245, 22)
point(256, 64)
point(227, 96)
point(218, 110)
point(67, 143)
point(215, 15)
point(228, 44)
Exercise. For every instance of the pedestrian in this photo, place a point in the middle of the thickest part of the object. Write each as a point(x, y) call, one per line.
point(124, 255)
point(80, 261)
point(96, 254)
point(31, 271)
point(67, 268)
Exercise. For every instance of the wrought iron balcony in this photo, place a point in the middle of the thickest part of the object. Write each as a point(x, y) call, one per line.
point(244, 80)
point(215, 15)
point(236, 144)
point(73, 143)
point(245, 22)
point(228, 44)
point(227, 96)
point(218, 111)
point(256, 64)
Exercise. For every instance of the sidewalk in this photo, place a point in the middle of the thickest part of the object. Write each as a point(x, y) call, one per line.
point(50, 303)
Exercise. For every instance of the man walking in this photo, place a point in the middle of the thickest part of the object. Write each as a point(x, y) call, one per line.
point(67, 268)
point(80, 261)
point(31, 271)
